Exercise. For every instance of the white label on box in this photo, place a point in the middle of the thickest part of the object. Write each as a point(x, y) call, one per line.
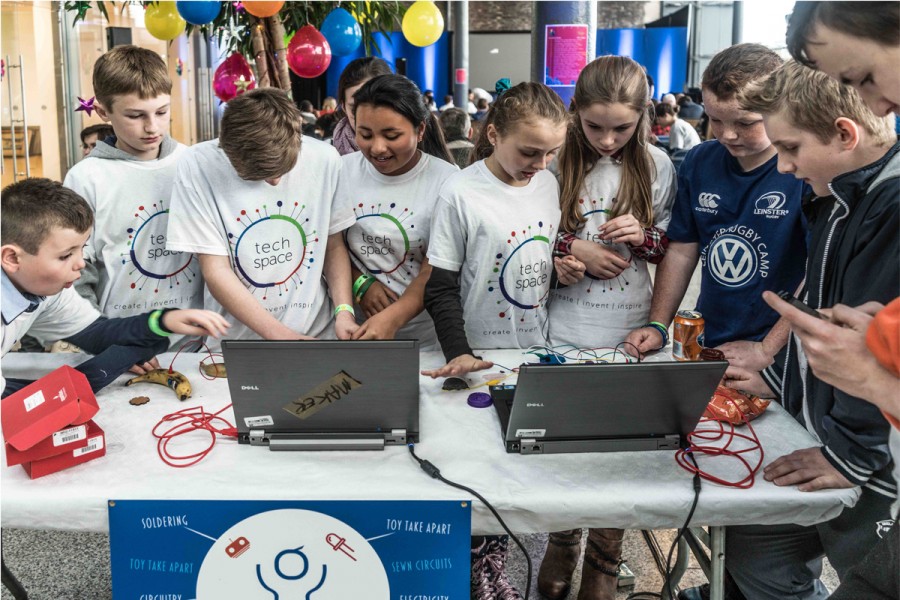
point(67, 436)
point(61, 395)
point(530, 433)
point(94, 444)
point(34, 400)
point(259, 421)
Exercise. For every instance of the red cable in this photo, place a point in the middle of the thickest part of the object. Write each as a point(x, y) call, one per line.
point(711, 435)
point(187, 421)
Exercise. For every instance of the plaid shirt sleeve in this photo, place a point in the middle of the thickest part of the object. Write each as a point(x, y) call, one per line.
point(563, 245)
point(654, 247)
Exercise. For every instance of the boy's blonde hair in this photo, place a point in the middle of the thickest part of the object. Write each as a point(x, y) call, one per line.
point(33, 207)
point(130, 70)
point(261, 134)
point(609, 80)
point(813, 101)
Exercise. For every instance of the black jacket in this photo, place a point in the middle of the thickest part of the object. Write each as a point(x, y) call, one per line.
point(854, 257)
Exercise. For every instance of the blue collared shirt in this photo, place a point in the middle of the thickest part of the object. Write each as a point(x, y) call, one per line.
point(13, 302)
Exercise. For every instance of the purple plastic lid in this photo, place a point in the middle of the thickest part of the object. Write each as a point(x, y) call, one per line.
point(479, 400)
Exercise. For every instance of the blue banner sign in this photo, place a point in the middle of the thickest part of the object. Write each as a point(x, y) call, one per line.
point(287, 550)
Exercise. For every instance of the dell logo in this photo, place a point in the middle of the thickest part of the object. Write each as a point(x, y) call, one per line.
point(535, 404)
point(249, 387)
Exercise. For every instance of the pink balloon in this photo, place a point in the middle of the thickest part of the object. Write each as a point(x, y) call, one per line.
point(308, 52)
point(233, 77)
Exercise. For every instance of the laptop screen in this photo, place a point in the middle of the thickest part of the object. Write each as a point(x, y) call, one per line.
point(320, 386)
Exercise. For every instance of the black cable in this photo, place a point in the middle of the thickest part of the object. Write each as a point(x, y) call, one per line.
point(435, 473)
point(686, 522)
point(640, 355)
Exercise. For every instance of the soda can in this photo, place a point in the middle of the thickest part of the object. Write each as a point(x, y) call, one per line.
point(687, 339)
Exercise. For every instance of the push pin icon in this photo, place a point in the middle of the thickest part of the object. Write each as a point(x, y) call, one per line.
point(338, 543)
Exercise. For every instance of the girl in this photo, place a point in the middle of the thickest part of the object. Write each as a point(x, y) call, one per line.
point(354, 75)
point(617, 193)
point(392, 186)
point(491, 236)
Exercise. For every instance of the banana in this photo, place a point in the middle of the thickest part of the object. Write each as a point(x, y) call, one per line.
point(172, 379)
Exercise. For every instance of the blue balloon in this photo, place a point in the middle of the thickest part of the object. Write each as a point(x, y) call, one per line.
point(198, 12)
point(342, 32)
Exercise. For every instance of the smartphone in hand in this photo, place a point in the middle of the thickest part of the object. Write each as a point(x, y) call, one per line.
point(793, 301)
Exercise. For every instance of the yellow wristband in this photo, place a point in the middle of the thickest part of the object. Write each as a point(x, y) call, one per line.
point(342, 307)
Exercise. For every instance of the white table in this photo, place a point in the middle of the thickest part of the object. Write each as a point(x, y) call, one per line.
point(535, 493)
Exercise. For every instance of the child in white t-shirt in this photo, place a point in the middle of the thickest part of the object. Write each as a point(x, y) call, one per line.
point(128, 184)
point(257, 210)
point(491, 254)
point(682, 136)
point(617, 194)
point(391, 187)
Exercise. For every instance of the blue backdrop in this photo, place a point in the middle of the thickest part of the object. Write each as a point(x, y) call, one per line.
point(662, 50)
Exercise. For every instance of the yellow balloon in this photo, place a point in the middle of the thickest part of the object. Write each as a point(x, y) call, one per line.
point(163, 21)
point(423, 23)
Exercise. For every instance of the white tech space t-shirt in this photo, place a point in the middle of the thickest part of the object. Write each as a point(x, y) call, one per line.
point(500, 239)
point(393, 219)
point(595, 312)
point(130, 200)
point(275, 236)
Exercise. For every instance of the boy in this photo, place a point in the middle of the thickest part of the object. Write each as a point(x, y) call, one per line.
point(44, 228)
point(733, 211)
point(827, 137)
point(857, 44)
point(258, 214)
point(91, 135)
point(128, 184)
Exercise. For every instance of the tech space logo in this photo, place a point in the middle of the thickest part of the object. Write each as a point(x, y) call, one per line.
point(771, 205)
point(708, 203)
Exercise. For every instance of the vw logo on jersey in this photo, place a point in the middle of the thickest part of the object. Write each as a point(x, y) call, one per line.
point(732, 261)
point(707, 200)
point(771, 204)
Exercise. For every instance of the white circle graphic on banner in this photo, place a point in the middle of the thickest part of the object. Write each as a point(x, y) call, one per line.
point(291, 553)
point(732, 261)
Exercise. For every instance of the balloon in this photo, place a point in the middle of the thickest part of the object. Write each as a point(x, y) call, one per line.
point(342, 32)
point(233, 77)
point(261, 9)
point(308, 53)
point(163, 21)
point(423, 23)
point(198, 12)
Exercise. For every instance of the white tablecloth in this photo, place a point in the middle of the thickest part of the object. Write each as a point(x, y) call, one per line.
point(533, 493)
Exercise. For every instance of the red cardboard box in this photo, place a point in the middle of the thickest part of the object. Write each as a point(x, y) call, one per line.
point(62, 398)
point(61, 442)
point(95, 448)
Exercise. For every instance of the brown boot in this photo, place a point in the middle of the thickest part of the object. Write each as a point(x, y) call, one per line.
point(560, 560)
point(602, 556)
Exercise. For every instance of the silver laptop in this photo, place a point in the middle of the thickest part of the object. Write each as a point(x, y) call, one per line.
point(324, 395)
point(604, 407)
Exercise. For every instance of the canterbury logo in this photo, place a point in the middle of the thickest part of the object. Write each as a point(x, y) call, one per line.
point(707, 200)
point(732, 261)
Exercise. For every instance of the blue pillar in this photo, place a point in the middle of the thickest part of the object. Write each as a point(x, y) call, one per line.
point(558, 53)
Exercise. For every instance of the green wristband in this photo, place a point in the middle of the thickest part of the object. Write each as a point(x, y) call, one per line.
point(344, 307)
point(658, 324)
point(365, 288)
point(360, 281)
point(154, 324)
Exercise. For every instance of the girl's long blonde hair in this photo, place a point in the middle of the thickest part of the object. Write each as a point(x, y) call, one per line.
point(609, 80)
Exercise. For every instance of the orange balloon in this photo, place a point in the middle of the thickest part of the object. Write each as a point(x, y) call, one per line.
point(262, 9)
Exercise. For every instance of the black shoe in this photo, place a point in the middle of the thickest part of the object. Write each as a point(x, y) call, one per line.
point(701, 592)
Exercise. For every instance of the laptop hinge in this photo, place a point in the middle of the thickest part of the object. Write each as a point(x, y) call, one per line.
point(397, 437)
point(326, 442)
point(257, 437)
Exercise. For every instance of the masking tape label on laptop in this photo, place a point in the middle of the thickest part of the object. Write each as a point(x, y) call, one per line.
point(329, 391)
point(530, 433)
point(261, 421)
